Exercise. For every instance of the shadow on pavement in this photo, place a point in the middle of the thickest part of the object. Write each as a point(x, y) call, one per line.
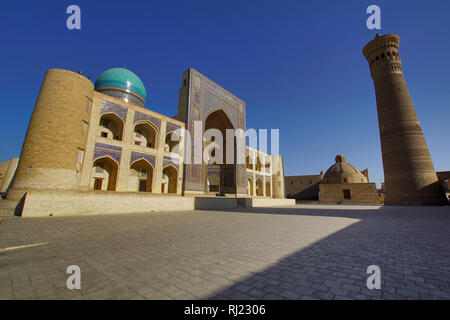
point(411, 246)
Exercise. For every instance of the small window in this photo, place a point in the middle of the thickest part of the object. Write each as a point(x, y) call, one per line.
point(292, 182)
point(137, 143)
point(345, 180)
point(310, 182)
point(29, 170)
point(80, 155)
point(84, 127)
point(88, 105)
point(104, 134)
point(184, 83)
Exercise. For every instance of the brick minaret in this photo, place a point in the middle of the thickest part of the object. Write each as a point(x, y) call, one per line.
point(410, 177)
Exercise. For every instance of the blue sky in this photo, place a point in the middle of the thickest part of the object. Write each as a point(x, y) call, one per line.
point(298, 65)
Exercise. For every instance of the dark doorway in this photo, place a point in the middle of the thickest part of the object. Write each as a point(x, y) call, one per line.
point(142, 185)
point(347, 194)
point(98, 184)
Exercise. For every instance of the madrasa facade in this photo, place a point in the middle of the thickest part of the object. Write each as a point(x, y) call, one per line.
point(93, 137)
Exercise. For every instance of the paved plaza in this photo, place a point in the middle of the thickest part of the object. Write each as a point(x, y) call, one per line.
point(298, 252)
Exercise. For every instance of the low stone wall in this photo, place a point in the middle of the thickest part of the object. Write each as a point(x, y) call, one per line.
point(266, 202)
point(68, 203)
point(61, 203)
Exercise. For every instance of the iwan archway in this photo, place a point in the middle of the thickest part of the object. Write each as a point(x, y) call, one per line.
point(104, 174)
point(216, 153)
point(141, 176)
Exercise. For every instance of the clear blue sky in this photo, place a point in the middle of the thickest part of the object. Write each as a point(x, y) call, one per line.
point(297, 64)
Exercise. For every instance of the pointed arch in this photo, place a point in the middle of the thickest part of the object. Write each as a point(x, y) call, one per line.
point(141, 176)
point(111, 126)
point(259, 187)
point(250, 192)
point(268, 192)
point(169, 144)
point(104, 174)
point(145, 134)
point(169, 181)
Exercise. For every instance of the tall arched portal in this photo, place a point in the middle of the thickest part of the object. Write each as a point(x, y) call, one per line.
point(204, 104)
point(216, 149)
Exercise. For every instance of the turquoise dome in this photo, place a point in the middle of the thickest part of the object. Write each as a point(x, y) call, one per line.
point(122, 78)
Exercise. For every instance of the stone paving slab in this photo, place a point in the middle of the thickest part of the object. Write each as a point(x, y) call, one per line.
point(297, 252)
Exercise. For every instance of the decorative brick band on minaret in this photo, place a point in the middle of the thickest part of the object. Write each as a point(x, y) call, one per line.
point(410, 177)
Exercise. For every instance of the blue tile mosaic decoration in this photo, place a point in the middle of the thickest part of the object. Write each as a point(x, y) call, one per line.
point(100, 153)
point(137, 156)
point(167, 161)
point(171, 127)
point(140, 116)
point(107, 146)
point(108, 106)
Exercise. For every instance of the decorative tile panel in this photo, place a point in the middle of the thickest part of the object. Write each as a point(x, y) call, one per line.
point(167, 161)
point(140, 116)
point(103, 150)
point(108, 146)
point(171, 127)
point(137, 156)
point(108, 106)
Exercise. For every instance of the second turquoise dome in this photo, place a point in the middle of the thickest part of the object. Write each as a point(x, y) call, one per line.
point(122, 78)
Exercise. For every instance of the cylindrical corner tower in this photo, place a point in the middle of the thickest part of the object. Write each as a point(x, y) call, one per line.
point(410, 177)
point(56, 137)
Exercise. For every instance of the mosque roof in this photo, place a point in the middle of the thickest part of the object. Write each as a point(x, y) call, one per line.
point(122, 78)
point(343, 172)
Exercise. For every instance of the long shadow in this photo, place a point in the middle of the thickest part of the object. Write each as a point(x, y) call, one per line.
point(410, 245)
point(346, 211)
